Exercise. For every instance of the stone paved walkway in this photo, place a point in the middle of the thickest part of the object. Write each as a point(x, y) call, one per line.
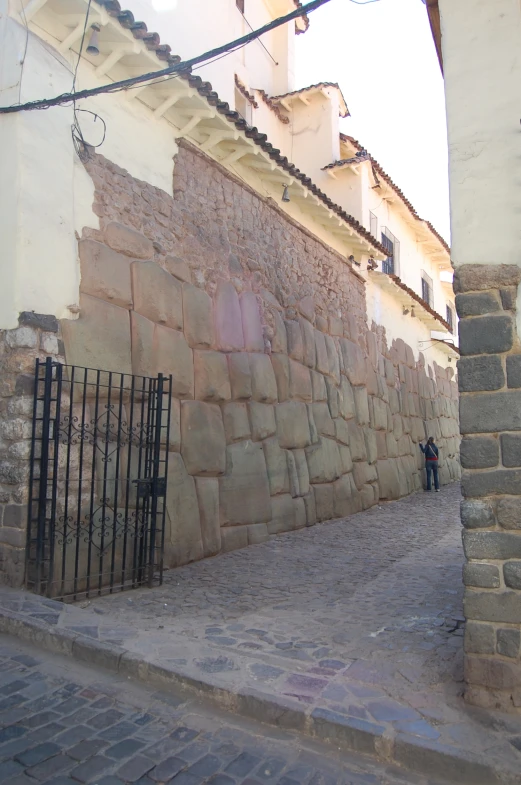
point(358, 620)
point(64, 724)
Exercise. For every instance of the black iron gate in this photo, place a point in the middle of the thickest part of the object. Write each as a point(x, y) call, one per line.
point(97, 496)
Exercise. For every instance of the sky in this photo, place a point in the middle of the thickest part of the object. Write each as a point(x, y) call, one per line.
point(383, 57)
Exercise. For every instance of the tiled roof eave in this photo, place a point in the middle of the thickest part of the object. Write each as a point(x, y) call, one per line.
point(383, 174)
point(111, 9)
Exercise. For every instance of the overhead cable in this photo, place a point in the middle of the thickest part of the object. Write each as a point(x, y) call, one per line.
point(179, 68)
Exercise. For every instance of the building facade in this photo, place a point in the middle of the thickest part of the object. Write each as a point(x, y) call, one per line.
point(153, 238)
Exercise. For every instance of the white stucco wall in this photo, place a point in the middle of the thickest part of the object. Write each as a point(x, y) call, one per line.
point(45, 191)
point(192, 27)
point(481, 43)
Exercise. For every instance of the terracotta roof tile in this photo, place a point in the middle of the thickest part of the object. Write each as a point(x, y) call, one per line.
point(357, 159)
point(274, 108)
point(245, 92)
point(398, 281)
point(140, 31)
point(344, 111)
point(396, 189)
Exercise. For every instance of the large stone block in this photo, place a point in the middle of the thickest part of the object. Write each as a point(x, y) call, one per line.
point(508, 513)
point(513, 371)
point(283, 511)
point(294, 487)
point(341, 431)
point(492, 673)
point(324, 501)
point(364, 473)
point(392, 446)
point(486, 334)
point(480, 638)
point(354, 362)
point(280, 364)
point(234, 537)
point(262, 418)
point(487, 483)
point(279, 341)
point(510, 449)
point(346, 399)
point(277, 466)
point(299, 507)
point(100, 338)
point(347, 499)
point(308, 341)
point(318, 385)
point(480, 452)
point(477, 304)
point(379, 414)
point(299, 382)
point(251, 323)
point(203, 443)
point(345, 459)
point(323, 420)
point(388, 479)
point(236, 422)
point(257, 533)
point(105, 273)
point(143, 354)
point(322, 358)
point(512, 574)
point(492, 606)
point(356, 442)
point(491, 545)
point(172, 355)
point(508, 641)
point(489, 413)
point(198, 318)
point(208, 498)
point(183, 537)
point(333, 358)
point(228, 319)
point(477, 374)
point(128, 241)
point(295, 342)
point(240, 375)
point(157, 295)
point(482, 576)
point(477, 277)
point(333, 398)
point(311, 509)
point(301, 466)
point(370, 445)
point(244, 490)
point(293, 425)
point(324, 461)
point(212, 382)
point(476, 514)
point(263, 383)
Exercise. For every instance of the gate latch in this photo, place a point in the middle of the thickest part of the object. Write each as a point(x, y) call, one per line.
point(147, 486)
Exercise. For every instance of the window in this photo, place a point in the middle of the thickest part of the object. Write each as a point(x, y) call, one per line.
point(391, 265)
point(427, 289)
point(373, 224)
point(240, 5)
point(450, 318)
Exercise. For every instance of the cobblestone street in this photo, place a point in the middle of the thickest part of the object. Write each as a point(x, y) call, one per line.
point(353, 625)
point(64, 724)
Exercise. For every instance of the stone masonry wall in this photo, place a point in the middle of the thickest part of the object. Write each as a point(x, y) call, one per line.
point(490, 386)
point(287, 410)
point(37, 336)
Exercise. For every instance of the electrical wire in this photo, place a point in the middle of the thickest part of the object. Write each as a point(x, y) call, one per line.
point(22, 63)
point(81, 45)
point(260, 42)
point(183, 66)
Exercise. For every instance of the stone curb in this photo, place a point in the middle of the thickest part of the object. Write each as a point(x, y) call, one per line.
point(416, 754)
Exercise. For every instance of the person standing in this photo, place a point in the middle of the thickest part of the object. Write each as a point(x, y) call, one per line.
point(430, 450)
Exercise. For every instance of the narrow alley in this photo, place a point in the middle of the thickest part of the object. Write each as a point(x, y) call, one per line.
point(350, 632)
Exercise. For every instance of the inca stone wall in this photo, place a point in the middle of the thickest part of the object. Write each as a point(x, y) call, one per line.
point(37, 336)
point(490, 386)
point(287, 410)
